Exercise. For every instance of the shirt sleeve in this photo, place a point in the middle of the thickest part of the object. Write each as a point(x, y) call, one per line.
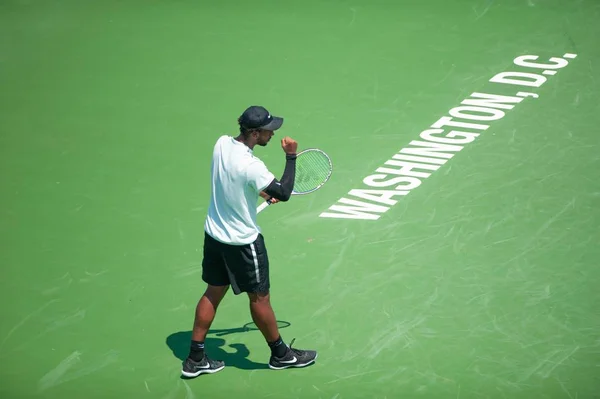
point(258, 175)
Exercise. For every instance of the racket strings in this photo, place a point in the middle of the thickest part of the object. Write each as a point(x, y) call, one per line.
point(312, 170)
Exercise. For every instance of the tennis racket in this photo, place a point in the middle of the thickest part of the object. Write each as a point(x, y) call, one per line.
point(313, 169)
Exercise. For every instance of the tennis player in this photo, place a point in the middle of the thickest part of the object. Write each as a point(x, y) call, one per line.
point(234, 249)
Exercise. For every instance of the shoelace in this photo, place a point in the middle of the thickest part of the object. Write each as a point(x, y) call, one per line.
point(296, 351)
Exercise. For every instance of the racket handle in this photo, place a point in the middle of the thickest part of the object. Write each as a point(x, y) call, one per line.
point(263, 206)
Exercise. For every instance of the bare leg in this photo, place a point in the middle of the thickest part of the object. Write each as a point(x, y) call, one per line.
point(206, 310)
point(197, 362)
point(263, 315)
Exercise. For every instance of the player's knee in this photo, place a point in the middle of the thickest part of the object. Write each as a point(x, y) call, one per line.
point(216, 291)
point(259, 297)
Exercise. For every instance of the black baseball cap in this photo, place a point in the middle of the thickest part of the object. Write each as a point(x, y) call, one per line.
point(257, 117)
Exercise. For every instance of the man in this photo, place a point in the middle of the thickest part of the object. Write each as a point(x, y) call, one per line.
point(234, 248)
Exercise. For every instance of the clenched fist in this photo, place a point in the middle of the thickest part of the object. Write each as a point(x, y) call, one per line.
point(289, 145)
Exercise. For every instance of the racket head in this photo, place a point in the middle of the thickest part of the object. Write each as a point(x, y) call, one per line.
point(313, 169)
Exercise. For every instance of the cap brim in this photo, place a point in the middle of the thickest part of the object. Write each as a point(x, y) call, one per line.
point(275, 124)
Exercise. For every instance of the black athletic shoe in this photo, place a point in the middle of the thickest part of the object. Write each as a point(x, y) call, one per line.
point(204, 366)
point(293, 358)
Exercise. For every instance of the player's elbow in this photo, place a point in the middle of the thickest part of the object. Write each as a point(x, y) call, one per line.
point(285, 197)
point(282, 192)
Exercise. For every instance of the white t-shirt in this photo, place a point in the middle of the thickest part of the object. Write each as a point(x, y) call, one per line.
point(237, 179)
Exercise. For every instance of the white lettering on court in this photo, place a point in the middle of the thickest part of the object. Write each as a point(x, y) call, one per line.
point(407, 169)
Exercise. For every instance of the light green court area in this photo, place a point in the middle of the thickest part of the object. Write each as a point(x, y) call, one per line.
point(480, 283)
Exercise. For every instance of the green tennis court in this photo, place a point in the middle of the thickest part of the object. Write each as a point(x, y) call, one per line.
point(480, 280)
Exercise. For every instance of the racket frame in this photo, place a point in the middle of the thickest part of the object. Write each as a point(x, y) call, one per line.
point(265, 204)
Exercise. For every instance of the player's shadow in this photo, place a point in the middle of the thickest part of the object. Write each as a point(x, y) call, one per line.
point(179, 343)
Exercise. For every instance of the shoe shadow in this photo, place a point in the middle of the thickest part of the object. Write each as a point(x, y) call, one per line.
point(179, 343)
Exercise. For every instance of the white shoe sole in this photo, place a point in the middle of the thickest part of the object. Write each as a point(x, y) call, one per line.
point(204, 371)
point(297, 365)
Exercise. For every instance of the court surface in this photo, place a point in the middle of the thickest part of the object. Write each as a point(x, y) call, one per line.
point(482, 282)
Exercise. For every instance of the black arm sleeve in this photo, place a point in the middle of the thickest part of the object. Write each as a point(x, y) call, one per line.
point(282, 190)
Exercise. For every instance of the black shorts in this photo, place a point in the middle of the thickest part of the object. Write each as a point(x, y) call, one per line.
point(245, 267)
